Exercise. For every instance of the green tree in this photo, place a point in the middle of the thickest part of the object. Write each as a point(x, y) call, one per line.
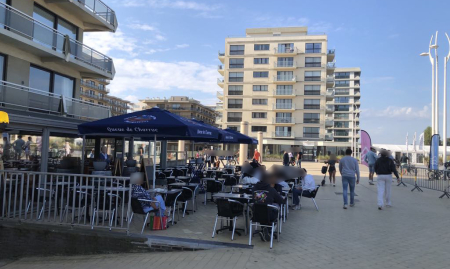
point(427, 136)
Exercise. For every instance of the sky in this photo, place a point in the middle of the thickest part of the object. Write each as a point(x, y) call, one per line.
point(164, 48)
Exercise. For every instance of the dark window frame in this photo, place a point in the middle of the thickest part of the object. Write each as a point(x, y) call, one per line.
point(261, 46)
point(308, 118)
point(236, 79)
point(311, 105)
point(235, 104)
point(259, 103)
point(255, 61)
point(57, 18)
point(311, 92)
point(237, 52)
point(236, 65)
point(260, 114)
point(260, 73)
point(5, 60)
point(52, 79)
point(267, 88)
point(313, 78)
point(235, 92)
point(259, 128)
point(314, 49)
point(310, 132)
point(313, 64)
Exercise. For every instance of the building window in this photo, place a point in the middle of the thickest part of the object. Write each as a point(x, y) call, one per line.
point(340, 133)
point(236, 63)
point(259, 129)
point(260, 88)
point(283, 131)
point(341, 92)
point(340, 75)
point(313, 48)
point(262, 47)
point(49, 81)
point(341, 124)
point(341, 116)
point(259, 101)
point(234, 128)
point(55, 22)
point(312, 89)
point(234, 103)
point(237, 49)
point(261, 74)
point(313, 62)
point(283, 117)
point(234, 116)
point(342, 83)
point(311, 118)
point(285, 62)
point(312, 76)
point(311, 132)
point(286, 48)
point(235, 90)
point(261, 60)
point(284, 90)
point(236, 77)
point(342, 108)
point(312, 104)
point(342, 100)
point(2, 67)
point(259, 115)
point(285, 75)
point(341, 140)
point(284, 104)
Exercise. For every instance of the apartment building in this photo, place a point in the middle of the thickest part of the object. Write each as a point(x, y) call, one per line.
point(183, 106)
point(96, 92)
point(281, 81)
point(42, 63)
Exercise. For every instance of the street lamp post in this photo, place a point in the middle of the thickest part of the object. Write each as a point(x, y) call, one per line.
point(444, 125)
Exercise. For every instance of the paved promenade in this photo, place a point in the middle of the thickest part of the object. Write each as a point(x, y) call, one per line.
point(414, 233)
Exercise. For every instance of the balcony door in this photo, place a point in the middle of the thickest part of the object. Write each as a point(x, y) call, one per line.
point(2, 66)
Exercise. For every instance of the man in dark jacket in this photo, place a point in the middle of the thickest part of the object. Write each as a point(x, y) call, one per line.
point(267, 183)
point(384, 167)
point(285, 159)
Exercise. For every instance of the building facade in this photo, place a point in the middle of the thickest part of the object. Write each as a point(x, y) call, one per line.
point(96, 92)
point(183, 106)
point(282, 82)
point(42, 63)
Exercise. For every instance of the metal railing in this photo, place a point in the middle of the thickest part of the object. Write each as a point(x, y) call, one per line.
point(283, 92)
point(438, 180)
point(220, 81)
point(284, 106)
point(283, 120)
point(97, 87)
point(285, 78)
point(221, 54)
point(65, 199)
point(331, 51)
point(330, 108)
point(220, 67)
point(18, 97)
point(25, 26)
point(330, 78)
point(101, 9)
point(282, 134)
point(285, 64)
point(219, 94)
point(286, 50)
point(331, 65)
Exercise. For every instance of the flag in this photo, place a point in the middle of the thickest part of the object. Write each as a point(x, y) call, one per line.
point(366, 142)
point(414, 142)
point(407, 142)
point(421, 141)
point(434, 152)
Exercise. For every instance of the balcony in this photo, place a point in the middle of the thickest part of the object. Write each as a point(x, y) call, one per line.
point(330, 79)
point(284, 120)
point(220, 69)
point(221, 56)
point(286, 51)
point(103, 81)
point(330, 55)
point(18, 97)
point(283, 134)
point(331, 65)
point(25, 33)
point(96, 16)
point(288, 65)
point(284, 106)
point(284, 92)
point(285, 79)
point(219, 120)
point(220, 95)
point(220, 82)
point(328, 137)
point(329, 122)
point(98, 88)
point(329, 109)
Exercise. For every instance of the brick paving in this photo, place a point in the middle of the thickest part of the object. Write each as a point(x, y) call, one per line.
point(411, 234)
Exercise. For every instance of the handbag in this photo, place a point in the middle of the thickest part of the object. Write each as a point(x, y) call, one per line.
point(155, 223)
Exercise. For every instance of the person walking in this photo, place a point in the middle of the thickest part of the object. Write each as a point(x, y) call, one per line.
point(257, 156)
point(285, 159)
point(27, 148)
point(332, 169)
point(370, 159)
point(299, 159)
point(384, 167)
point(348, 168)
point(18, 147)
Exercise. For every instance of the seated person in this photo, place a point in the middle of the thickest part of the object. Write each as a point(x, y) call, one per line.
point(104, 155)
point(308, 185)
point(138, 192)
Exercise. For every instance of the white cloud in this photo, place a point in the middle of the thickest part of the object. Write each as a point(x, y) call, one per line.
point(137, 76)
point(142, 26)
point(401, 113)
point(153, 51)
point(203, 9)
point(106, 42)
point(131, 98)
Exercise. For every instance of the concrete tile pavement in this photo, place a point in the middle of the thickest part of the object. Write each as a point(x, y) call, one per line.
point(411, 234)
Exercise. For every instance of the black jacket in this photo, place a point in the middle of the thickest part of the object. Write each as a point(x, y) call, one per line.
point(273, 196)
point(385, 166)
point(286, 158)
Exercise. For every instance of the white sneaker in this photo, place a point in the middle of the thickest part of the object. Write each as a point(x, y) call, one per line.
point(371, 182)
point(345, 206)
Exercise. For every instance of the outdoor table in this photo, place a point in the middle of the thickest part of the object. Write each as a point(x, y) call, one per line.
point(165, 192)
point(243, 198)
point(102, 173)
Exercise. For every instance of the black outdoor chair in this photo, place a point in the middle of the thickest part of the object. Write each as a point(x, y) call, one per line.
point(171, 203)
point(264, 215)
point(230, 181)
point(136, 208)
point(229, 210)
point(213, 186)
point(312, 195)
point(186, 195)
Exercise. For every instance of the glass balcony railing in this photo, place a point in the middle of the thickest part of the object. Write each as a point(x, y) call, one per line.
point(285, 64)
point(285, 78)
point(284, 106)
point(284, 91)
point(282, 134)
point(25, 26)
point(284, 120)
point(18, 97)
point(283, 50)
point(102, 10)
